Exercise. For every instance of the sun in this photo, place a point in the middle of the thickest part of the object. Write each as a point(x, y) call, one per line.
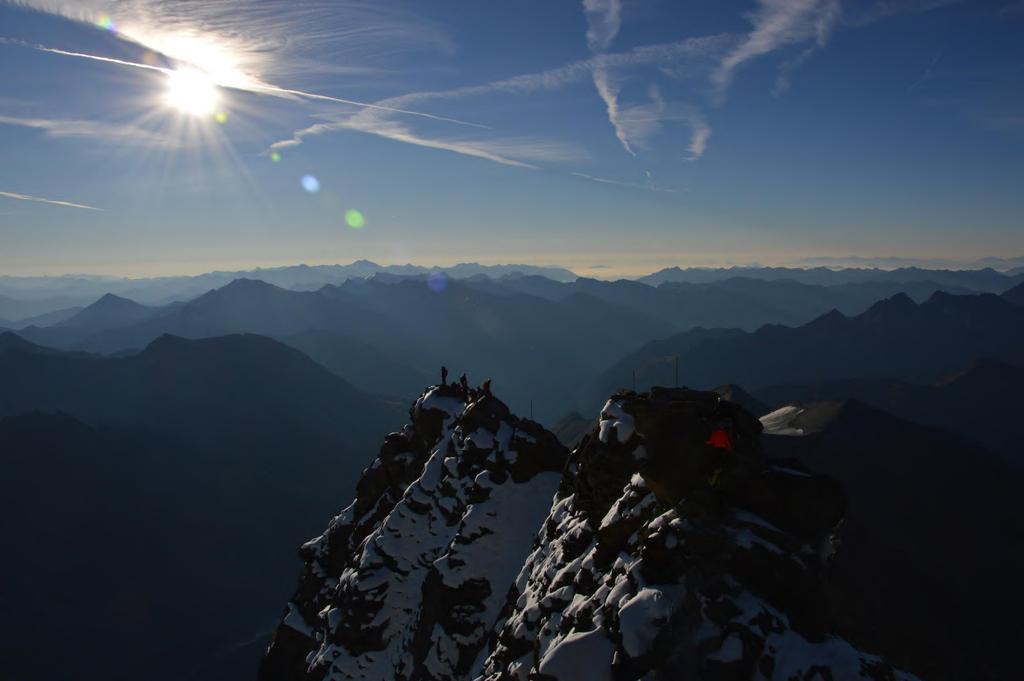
point(192, 92)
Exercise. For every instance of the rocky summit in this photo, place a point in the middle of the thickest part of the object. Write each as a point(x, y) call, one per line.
point(664, 546)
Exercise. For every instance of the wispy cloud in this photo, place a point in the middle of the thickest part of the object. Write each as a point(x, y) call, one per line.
point(691, 53)
point(254, 41)
point(105, 132)
point(701, 133)
point(635, 124)
point(775, 24)
point(511, 151)
point(926, 73)
point(651, 187)
point(862, 14)
point(604, 19)
point(780, 23)
point(784, 80)
point(520, 152)
point(608, 90)
point(52, 202)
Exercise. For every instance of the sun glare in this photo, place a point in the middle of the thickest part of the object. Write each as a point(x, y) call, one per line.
point(192, 92)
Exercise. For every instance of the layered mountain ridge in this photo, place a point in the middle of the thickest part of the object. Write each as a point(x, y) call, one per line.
point(664, 546)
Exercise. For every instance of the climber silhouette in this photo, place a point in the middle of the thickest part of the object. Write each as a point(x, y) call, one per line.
point(444, 375)
point(464, 384)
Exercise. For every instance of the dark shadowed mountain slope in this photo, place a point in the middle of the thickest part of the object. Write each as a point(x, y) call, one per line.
point(362, 364)
point(143, 555)
point(656, 362)
point(79, 508)
point(190, 516)
point(12, 343)
point(1015, 295)
point(660, 556)
point(946, 517)
point(211, 390)
point(982, 404)
point(741, 302)
point(895, 338)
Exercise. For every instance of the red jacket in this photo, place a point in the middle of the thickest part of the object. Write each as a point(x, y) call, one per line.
point(720, 440)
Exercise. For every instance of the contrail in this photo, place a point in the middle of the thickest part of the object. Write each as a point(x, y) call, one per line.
point(272, 89)
point(83, 55)
point(257, 88)
point(39, 199)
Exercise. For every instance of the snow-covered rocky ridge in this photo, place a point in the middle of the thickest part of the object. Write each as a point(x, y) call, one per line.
point(408, 581)
point(670, 550)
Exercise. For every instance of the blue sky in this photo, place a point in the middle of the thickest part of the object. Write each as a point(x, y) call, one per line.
point(633, 135)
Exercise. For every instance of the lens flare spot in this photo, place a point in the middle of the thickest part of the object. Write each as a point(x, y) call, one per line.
point(220, 117)
point(192, 92)
point(275, 157)
point(437, 282)
point(354, 219)
point(106, 23)
point(310, 184)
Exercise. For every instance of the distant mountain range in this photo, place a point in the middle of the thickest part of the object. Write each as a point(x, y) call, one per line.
point(894, 339)
point(1001, 264)
point(532, 341)
point(536, 337)
point(24, 299)
point(982, 280)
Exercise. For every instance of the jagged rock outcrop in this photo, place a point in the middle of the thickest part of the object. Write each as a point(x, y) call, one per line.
point(407, 582)
point(671, 550)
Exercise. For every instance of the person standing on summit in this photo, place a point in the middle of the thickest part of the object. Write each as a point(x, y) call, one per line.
point(444, 375)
